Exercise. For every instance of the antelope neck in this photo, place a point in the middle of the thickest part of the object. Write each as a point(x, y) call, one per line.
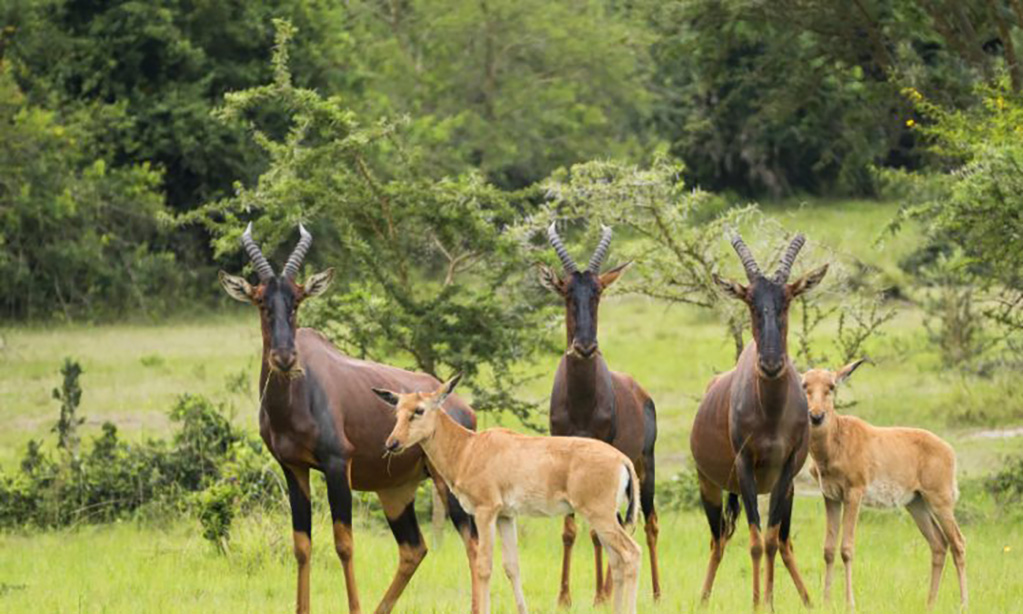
point(582, 376)
point(446, 445)
point(772, 394)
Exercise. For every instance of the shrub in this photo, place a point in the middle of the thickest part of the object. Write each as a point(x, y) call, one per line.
point(681, 492)
point(1006, 485)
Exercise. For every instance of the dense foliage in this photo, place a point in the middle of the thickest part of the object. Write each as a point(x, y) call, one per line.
point(431, 272)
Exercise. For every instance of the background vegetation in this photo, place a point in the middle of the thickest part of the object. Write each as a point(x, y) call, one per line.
point(426, 144)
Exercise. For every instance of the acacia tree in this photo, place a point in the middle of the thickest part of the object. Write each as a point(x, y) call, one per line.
point(675, 235)
point(431, 274)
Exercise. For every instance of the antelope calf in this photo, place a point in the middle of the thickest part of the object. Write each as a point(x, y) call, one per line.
point(497, 475)
point(855, 462)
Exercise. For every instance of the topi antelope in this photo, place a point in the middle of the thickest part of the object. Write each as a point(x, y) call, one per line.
point(856, 463)
point(317, 412)
point(498, 475)
point(590, 400)
point(751, 431)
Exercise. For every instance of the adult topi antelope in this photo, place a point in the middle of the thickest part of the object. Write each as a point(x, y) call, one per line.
point(590, 400)
point(317, 412)
point(751, 431)
point(856, 463)
point(498, 474)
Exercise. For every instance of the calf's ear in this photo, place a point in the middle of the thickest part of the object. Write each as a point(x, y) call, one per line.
point(843, 374)
point(446, 389)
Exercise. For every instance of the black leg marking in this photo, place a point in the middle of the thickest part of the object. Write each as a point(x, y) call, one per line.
point(301, 508)
point(459, 517)
point(748, 488)
point(646, 488)
point(714, 517)
point(781, 495)
point(405, 527)
point(339, 493)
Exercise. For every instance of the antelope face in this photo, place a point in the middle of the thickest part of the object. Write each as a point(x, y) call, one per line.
point(415, 413)
point(278, 298)
point(819, 386)
point(768, 299)
point(581, 290)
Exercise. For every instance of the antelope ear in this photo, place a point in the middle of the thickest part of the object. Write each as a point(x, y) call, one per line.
point(447, 388)
point(549, 279)
point(732, 288)
point(387, 396)
point(807, 282)
point(318, 283)
point(609, 277)
point(237, 288)
point(843, 374)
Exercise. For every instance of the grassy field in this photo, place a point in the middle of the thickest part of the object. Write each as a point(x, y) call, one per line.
point(127, 568)
point(132, 373)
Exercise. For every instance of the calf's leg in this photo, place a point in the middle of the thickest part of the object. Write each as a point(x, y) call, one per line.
point(849, 517)
point(833, 510)
point(510, 560)
point(486, 520)
point(921, 514)
point(568, 540)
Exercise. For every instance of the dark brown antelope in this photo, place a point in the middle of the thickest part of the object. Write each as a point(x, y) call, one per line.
point(855, 462)
point(317, 411)
point(751, 432)
point(499, 474)
point(590, 400)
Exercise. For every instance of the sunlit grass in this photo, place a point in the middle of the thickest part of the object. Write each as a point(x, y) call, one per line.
point(128, 568)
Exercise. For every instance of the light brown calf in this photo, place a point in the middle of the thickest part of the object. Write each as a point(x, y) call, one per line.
point(855, 462)
point(498, 474)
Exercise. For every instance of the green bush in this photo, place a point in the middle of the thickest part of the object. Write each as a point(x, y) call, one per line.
point(1007, 483)
point(115, 479)
point(680, 492)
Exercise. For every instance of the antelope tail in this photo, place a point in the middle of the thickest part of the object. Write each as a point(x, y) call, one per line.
point(632, 494)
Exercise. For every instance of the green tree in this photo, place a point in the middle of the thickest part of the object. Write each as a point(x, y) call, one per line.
point(513, 88)
point(434, 274)
point(75, 230)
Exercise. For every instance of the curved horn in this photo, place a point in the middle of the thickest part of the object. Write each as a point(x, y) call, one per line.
point(785, 268)
point(297, 256)
point(748, 263)
point(263, 268)
point(559, 247)
point(601, 252)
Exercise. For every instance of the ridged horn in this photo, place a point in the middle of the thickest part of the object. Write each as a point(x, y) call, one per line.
point(297, 256)
point(601, 252)
point(559, 248)
point(263, 268)
point(748, 263)
point(785, 268)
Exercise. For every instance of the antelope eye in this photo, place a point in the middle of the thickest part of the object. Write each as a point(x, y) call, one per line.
point(831, 388)
point(418, 411)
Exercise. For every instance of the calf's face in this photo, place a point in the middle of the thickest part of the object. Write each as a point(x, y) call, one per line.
point(819, 386)
point(415, 413)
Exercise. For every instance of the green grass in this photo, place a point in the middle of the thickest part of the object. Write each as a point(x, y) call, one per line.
point(133, 373)
point(130, 568)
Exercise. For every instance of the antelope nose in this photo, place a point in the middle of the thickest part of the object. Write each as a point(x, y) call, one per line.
point(283, 359)
point(771, 368)
point(392, 444)
point(816, 419)
point(585, 349)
